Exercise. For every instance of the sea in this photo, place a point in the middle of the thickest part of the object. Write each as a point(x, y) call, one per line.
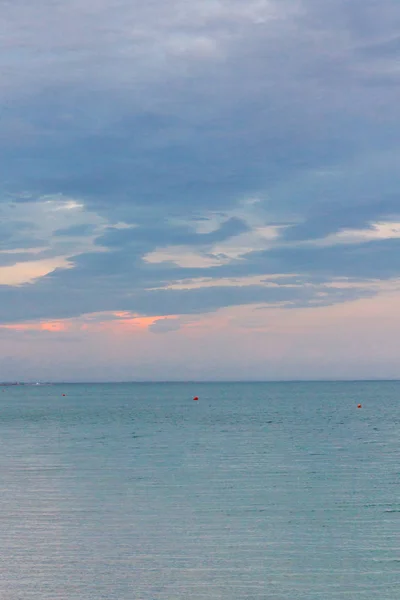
point(255, 491)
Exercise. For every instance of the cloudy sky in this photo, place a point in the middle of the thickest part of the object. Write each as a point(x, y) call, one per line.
point(199, 189)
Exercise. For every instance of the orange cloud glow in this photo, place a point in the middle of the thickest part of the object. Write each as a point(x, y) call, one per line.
point(55, 326)
point(125, 322)
point(27, 272)
point(113, 322)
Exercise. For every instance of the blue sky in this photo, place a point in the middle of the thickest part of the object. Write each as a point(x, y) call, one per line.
point(199, 189)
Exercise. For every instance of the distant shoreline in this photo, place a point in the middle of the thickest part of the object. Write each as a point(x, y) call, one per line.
point(17, 383)
point(197, 382)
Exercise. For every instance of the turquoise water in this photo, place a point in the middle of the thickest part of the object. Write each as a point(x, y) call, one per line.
point(257, 491)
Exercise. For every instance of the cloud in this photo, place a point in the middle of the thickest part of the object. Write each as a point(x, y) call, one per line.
point(32, 243)
point(18, 234)
point(150, 236)
point(149, 146)
point(165, 325)
point(74, 230)
point(22, 272)
point(333, 218)
point(165, 128)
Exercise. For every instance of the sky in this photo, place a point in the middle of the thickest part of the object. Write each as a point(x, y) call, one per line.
point(199, 189)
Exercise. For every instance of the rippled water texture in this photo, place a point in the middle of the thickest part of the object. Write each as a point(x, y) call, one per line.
point(257, 491)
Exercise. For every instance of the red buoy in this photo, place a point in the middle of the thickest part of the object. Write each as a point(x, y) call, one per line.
point(63, 394)
point(195, 398)
point(359, 406)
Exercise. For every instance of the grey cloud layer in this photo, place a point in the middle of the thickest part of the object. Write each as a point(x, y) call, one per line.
point(149, 237)
point(114, 282)
point(148, 112)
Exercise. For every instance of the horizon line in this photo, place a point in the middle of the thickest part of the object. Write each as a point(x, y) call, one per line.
point(197, 381)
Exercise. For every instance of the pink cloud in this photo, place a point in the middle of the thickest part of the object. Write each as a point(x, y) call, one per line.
point(51, 326)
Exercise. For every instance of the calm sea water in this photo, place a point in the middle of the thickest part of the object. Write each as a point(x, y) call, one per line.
point(257, 491)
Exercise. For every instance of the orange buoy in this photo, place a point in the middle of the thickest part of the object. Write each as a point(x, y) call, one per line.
point(359, 406)
point(195, 398)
